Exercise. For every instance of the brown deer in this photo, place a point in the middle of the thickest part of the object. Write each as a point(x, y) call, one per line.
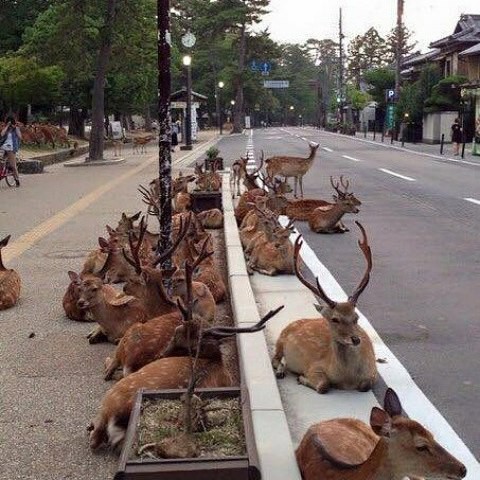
point(140, 143)
point(300, 210)
point(10, 283)
point(391, 448)
point(333, 350)
point(328, 219)
point(114, 314)
point(211, 219)
point(142, 343)
point(209, 181)
point(70, 299)
point(295, 167)
point(216, 367)
point(237, 174)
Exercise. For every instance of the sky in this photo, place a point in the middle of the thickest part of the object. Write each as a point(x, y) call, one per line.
point(295, 21)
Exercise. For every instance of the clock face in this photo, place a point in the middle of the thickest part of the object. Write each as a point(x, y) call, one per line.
point(189, 40)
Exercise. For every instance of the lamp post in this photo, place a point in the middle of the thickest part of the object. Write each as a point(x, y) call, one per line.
point(219, 111)
point(187, 62)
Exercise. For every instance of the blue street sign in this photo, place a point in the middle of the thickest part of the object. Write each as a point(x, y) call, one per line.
point(261, 66)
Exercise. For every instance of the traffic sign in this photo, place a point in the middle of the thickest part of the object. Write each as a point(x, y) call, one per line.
point(189, 40)
point(390, 117)
point(261, 66)
point(390, 95)
point(276, 83)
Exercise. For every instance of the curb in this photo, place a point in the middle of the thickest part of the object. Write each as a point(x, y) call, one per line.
point(61, 156)
point(272, 435)
point(96, 163)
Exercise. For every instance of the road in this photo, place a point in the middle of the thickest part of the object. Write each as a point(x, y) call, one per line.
point(422, 216)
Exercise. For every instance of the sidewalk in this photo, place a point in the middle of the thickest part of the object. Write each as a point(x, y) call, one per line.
point(51, 377)
point(419, 148)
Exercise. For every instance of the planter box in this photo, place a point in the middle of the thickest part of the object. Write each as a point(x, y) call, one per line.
point(228, 468)
point(202, 200)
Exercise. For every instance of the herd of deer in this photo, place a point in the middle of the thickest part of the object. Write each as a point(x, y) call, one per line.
point(146, 321)
point(42, 134)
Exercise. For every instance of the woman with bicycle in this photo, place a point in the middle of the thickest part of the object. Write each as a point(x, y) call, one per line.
point(10, 138)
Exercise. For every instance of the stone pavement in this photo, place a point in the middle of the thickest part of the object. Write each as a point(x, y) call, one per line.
point(51, 377)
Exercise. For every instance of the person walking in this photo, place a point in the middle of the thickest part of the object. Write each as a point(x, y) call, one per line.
point(11, 136)
point(456, 136)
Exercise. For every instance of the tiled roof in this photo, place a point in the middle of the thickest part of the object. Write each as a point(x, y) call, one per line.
point(467, 30)
point(475, 50)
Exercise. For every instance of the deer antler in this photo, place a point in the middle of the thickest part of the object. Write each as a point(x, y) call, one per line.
point(318, 290)
point(222, 332)
point(344, 185)
point(135, 249)
point(367, 252)
point(336, 186)
point(150, 200)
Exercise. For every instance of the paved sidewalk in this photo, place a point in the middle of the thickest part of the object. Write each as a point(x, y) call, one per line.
point(51, 377)
point(420, 148)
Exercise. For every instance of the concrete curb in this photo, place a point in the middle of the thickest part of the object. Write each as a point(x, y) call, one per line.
point(60, 156)
point(272, 436)
point(97, 163)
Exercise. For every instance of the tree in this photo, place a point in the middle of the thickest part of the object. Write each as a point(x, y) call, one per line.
point(366, 52)
point(406, 44)
point(446, 94)
point(379, 80)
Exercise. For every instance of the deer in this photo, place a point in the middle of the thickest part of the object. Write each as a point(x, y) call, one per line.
point(209, 181)
point(216, 367)
point(211, 219)
point(273, 256)
point(10, 283)
point(142, 143)
point(295, 167)
point(142, 343)
point(113, 313)
point(71, 296)
point(237, 174)
point(332, 350)
point(392, 447)
point(328, 218)
point(300, 210)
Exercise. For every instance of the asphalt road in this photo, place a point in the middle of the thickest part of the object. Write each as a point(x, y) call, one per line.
point(423, 297)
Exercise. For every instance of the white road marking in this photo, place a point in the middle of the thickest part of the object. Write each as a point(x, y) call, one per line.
point(351, 158)
point(473, 200)
point(414, 402)
point(327, 149)
point(409, 179)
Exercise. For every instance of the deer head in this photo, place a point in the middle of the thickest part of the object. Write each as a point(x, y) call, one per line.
point(411, 446)
point(341, 316)
point(3, 244)
point(342, 194)
point(89, 291)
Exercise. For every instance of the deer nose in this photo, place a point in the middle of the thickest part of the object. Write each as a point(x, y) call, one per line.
point(81, 303)
point(463, 471)
point(355, 340)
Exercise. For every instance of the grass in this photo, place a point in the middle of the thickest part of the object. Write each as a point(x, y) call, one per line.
point(222, 437)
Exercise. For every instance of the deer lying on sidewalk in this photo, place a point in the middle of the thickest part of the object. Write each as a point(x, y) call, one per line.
point(391, 448)
point(10, 282)
point(209, 181)
point(333, 350)
point(216, 366)
point(211, 219)
point(295, 167)
point(143, 343)
point(114, 314)
point(328, 219)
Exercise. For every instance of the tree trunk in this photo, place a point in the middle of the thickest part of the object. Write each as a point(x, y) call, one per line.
point(239, 107)
point(97, 134)
point(76, 122)
point(148, 119)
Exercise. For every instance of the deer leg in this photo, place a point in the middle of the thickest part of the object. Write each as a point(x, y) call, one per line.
point(315, 378)
point(364, 386)
point(295, 181)
point(111, 364)
point(301, 185)
point(97, 335)
point(277, 361)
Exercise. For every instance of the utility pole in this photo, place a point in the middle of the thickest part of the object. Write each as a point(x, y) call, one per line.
point(165, 134)
point(398, 59)
point(340, 68)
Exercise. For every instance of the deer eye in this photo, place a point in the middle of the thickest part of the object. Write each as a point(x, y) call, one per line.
point(422, 448)
point(335, 320)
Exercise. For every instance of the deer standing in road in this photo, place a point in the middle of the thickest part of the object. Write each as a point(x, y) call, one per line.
point(295, 167)
point(237, 174)
point(10, 282)
point(140, 143)
point(392, 447)
point(333, 350)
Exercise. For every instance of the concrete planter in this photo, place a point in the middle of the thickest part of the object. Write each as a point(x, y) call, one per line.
point(203, 200)
point(227, 468)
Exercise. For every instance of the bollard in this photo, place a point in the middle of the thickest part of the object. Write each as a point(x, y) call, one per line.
point(374, 132)
point(391, 138)
point(383, 135)
point(463, 150)
point(365, 133)
point(442, 143)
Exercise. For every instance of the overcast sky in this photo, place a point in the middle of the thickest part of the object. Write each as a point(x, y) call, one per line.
point(297, 20)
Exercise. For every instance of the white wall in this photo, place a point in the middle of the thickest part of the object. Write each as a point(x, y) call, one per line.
point(436, 124)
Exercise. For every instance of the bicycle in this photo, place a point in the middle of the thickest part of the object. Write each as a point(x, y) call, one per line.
point(6, 173)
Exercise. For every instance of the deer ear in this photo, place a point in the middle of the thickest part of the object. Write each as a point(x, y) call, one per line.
point(121, 300)
point(102, 242)
point(111, 230)
point(124, 217)
point(380, 422)
point(74, 277)
point(392, 403)
point(135, 217)
point(335, 198)
point(319, 308)
point(4, 242)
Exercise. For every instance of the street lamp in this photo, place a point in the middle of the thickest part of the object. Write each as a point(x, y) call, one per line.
point(219, 111)
point(187, 62)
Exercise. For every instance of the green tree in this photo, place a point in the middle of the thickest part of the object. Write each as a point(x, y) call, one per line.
point(406, 43)
point(445, 94)
point(379, 80)
point(366, 52)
